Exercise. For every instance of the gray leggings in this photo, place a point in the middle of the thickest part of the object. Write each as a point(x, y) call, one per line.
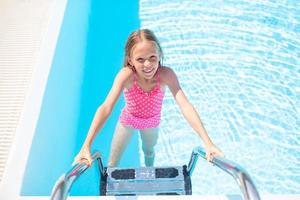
point(122, 138)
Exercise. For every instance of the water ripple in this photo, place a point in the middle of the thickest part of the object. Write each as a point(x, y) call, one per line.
point(239, 64)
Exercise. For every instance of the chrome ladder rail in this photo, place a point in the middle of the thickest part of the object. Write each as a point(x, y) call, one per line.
point(239, 174)
point(63, 185)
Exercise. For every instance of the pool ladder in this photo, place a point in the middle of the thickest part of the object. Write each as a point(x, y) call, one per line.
point(176, 180)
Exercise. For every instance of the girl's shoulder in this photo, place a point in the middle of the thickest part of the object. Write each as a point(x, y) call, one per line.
point(165, 70)
point(126, 72)
point(166, 73)
point(126, 75)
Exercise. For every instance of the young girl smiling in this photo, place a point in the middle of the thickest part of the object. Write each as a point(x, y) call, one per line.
point(143, 80)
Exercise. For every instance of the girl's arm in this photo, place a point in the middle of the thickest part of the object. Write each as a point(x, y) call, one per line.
point(189, 112)
point(102, 114)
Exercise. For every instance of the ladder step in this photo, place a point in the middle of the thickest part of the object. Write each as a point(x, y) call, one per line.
point(146, 181)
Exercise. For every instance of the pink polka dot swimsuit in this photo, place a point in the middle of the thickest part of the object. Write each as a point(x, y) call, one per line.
point(142, 109)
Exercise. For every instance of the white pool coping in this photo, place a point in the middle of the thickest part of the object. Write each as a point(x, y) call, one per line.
point(15, 167)
point(11, 183)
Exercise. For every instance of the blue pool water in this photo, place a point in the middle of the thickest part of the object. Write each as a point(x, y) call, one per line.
point(237, 61)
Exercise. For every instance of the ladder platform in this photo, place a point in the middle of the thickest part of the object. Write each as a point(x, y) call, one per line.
point(146, 181)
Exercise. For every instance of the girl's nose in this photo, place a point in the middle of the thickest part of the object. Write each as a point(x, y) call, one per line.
point(146, 63)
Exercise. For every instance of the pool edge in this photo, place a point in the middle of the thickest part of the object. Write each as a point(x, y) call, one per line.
point(186, 197)
point(10, 185)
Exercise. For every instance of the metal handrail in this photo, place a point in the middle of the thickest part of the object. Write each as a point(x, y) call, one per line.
point(63, 185)
point(239, 174)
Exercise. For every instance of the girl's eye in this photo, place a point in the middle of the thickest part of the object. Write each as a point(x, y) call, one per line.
point(140, 60)
point(153, 58)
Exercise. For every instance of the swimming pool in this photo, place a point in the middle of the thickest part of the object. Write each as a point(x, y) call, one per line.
point(238, 62)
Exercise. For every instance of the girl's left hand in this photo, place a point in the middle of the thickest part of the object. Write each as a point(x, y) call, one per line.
point(212, 151)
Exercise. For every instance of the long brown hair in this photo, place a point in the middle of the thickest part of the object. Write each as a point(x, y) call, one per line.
point(138, 36)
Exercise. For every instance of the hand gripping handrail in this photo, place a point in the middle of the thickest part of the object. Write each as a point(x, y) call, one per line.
point(63, 185)
point(239, 174)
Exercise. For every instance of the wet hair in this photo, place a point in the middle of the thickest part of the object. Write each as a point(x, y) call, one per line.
point(136, 37)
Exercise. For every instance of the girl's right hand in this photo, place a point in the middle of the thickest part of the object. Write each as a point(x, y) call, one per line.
point(84, 156)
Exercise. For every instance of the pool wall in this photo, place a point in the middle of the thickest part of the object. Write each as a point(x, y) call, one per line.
point(85, 55)
point(88, 56)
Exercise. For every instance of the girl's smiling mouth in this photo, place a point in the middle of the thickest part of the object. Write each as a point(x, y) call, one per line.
point(148, 72)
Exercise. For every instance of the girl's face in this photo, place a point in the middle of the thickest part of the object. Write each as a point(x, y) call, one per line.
point(145, 59)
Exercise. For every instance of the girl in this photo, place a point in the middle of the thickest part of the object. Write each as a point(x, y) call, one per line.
point(143, 80)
